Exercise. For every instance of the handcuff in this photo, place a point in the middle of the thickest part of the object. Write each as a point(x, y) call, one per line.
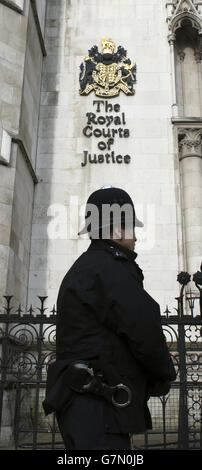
point(100, 388)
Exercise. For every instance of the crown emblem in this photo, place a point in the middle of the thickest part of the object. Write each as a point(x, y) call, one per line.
point(108, 46)
point(107, 72)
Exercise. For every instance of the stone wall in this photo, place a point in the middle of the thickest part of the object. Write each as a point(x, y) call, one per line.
point(13, 29)
point(72, 28)
point(21, 57)
point(51, 150)
point(18, 266)
point(31, 89)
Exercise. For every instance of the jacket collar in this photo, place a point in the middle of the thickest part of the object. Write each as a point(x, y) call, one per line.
point(112, 245)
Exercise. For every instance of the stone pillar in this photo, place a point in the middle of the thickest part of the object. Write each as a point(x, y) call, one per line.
point(190, 155)
point(171, 40)
point(198, 58)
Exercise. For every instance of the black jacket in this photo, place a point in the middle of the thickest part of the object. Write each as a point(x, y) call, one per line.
point(104, 315)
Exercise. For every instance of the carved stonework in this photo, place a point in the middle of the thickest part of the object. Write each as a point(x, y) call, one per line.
point(171, 38)
point(181, 56)
point(179, 6)
point(197, 55)
point(178, 10)
point(190, 142)
point(185, 5)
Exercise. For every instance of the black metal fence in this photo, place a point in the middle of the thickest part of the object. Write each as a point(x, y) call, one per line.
point(28, 345)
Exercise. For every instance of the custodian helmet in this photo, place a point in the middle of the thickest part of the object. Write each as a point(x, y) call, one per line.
point(111, 197)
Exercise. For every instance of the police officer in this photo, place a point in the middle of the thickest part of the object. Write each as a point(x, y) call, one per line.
point(111, 354)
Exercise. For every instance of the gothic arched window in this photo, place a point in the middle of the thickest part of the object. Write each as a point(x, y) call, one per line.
point(188, 70)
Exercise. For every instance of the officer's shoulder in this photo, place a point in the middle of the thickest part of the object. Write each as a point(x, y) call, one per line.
point(94, 262)
point(104, 260)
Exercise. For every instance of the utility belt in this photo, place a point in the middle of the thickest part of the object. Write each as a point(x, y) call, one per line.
point(81, 378)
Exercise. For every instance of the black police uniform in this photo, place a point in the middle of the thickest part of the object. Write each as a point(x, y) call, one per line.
point(105, 317)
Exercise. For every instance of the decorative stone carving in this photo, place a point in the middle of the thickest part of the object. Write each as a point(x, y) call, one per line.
point(171, 38)
point(198, 55)
point(190, 142)
point(178, 10)
point(181, 56)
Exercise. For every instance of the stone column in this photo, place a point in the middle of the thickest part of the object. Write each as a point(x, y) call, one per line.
point(171, 40)
point(198, 57)
point(190, 155)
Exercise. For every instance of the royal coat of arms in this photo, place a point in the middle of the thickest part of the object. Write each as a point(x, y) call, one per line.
point(108, 72)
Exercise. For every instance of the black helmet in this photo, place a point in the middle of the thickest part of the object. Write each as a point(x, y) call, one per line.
point(122, 211)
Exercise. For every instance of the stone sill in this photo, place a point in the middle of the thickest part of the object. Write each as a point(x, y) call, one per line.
point(5, 153)
point(18, 140)
point(187, 120)
point(17, 6)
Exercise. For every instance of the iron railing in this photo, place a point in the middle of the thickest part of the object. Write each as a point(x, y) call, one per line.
point(28, 346)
